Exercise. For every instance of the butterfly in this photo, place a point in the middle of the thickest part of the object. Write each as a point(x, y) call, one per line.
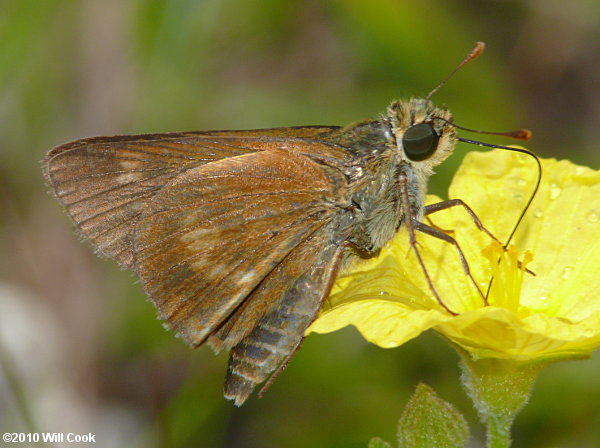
point(237, 236)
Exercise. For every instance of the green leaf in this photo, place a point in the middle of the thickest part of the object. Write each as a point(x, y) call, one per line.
point(377, 442)
point(429, 422)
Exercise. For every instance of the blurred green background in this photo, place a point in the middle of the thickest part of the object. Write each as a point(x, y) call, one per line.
point(80, 347)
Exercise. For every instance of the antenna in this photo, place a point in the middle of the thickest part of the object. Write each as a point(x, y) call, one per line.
point(537, 183)
point(518, 134)
point(474, 53)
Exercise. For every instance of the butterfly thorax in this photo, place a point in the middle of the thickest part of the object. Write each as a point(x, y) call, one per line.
point(390, 186)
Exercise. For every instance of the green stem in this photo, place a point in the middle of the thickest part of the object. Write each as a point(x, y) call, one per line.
point(498, 433)
point(499, 389)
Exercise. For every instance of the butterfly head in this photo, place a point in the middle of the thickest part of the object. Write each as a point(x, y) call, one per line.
point(423, 133)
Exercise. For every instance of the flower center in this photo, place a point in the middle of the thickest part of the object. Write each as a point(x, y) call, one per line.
point(508, 273)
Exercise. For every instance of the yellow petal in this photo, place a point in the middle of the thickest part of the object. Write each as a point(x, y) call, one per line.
point(498, 333)
point(562, 227)
point(381, 322)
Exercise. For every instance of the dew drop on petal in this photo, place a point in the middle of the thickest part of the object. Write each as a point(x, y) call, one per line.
point(543, 302)
point(521, 182)
point(538, 213)
point(593, 216)
point(555, 191)
point(566, 272)
point(518, 197)
point(522, 158)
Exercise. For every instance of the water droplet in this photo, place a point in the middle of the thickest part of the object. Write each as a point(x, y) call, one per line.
point(521, 182)
point(518, 197)
point(543, 302)
point(555, 191)
point(593, 216)
point(538, 213)
point(522, 158)
point(566, 272)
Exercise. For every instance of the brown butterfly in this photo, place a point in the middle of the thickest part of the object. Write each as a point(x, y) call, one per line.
point(237, 236)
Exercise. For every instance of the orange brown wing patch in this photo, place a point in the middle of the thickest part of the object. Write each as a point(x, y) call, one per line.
point(209, 238)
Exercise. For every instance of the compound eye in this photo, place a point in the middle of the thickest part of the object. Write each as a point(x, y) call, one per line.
point(420, 141)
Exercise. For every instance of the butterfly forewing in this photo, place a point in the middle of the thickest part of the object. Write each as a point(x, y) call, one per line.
point(211, 236)
point(104, 182)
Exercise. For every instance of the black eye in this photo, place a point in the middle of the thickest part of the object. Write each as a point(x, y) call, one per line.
point(420, 141)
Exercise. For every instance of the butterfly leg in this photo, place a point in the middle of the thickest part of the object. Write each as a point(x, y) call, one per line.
point(412, 223)
point(444, 205)
point(414, 245)
point(441, 229)
point(424, 228)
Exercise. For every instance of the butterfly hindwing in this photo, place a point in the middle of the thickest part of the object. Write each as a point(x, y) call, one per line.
point(297, 288)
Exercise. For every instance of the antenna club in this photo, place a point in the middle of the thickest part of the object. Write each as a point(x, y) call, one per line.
point(477, 50)
point(474, 53)
point(522, 134)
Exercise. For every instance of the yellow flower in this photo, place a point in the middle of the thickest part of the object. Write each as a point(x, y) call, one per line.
point(554, 314)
